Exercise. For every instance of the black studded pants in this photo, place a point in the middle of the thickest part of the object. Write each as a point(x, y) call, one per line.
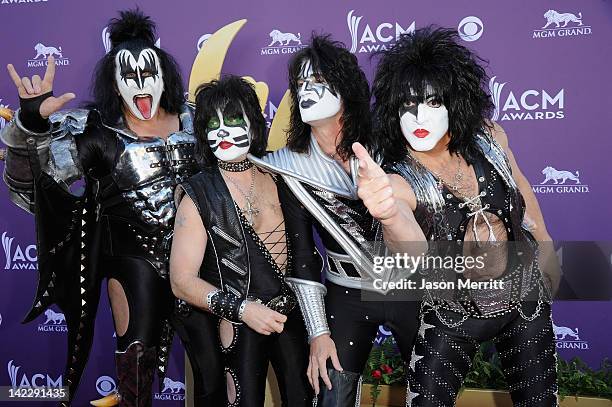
point(443, 356)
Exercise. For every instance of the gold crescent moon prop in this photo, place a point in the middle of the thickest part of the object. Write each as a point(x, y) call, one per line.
point(209, 61)
point(6, 114)
point(208, 65)
point(261, 89)
point(277, 137)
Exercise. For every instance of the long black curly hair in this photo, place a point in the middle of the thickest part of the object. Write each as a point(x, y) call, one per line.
point(133, 30)
point(431, 56)
point(231, 94)
point(342, 72)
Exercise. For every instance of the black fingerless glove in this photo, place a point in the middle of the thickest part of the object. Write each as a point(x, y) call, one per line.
point(30, 113)
point(225, 305)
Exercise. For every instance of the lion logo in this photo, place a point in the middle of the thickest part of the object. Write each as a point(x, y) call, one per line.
point(55, 317)
point(42, 51)
point(284, 38)
point(173, 386)
point(553, 16)
point(556, 175)
point(562, 331)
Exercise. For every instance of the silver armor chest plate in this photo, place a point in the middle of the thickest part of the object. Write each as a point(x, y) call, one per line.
point(148, 171)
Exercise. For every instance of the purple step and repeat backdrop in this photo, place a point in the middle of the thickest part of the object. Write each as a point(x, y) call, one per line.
point(549, 64)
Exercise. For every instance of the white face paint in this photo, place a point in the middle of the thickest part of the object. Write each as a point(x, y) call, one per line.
point(424, 121)
point(229, 137)
point(140, 81)
point(316, 99)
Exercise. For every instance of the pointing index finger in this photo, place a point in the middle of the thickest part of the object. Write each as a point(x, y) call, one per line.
point(369, 167)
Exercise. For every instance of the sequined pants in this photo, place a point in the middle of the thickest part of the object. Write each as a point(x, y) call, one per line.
point(443, 356)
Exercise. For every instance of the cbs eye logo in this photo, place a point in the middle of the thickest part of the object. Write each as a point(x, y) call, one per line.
point(105, 385)
point(470, 28)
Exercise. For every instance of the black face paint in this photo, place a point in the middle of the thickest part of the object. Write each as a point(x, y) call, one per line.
point(312, 82)
point(230, 126)
point(241, 138)
point(135, 73)
point(412, 103)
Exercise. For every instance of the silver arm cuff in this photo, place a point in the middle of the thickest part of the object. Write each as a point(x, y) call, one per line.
point(14, 134)
point(17, 171)
point(56, 150)
point(310, 296)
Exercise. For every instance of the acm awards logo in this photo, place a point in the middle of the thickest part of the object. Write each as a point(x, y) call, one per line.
point(36, 380)
point(54, 322)
point(16, 257)
point(371, 38)
point(21, 1)
point(203, 38)
point(173, 390)
point(568, 338)
point(272, 108)
point(42, 52)
point(382, 334)
point(283, 43)
point(562, 25)
point(529, 104)
point(560, 182)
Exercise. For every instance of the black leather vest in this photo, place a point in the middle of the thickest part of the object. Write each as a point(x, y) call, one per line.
point(226, 259)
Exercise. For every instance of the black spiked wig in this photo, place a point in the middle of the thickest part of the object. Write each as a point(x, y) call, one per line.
point(433, 57)
point(133, 30)
point(341, 71)
point(231, 94)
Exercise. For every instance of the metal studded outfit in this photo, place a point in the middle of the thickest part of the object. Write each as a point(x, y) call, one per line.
point(352, 237)
point(241, 264)
point(516, 317)
point(119, 227)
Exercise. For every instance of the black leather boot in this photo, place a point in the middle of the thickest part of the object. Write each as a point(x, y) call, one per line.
point(345, 386)
point(135, 370)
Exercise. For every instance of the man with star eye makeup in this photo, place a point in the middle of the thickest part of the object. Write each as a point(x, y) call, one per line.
point(235, 241)
point(131, 146)
point(467, 190)
point(354, 207)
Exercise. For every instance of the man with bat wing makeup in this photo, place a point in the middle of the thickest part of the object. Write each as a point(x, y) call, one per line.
point(132, 146)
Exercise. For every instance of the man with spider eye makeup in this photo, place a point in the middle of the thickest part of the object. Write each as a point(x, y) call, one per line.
point(131, 147)
point(467, 192)
point(234, 243)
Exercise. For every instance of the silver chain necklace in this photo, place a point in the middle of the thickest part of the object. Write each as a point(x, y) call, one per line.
point(457, 178)
point(251, 210)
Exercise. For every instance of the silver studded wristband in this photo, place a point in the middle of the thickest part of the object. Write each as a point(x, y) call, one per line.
point(225, 305)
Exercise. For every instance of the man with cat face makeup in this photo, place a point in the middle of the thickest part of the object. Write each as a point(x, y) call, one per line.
point(354, 206)
point(467, 190)
point(131, 147)
point(234, 243)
